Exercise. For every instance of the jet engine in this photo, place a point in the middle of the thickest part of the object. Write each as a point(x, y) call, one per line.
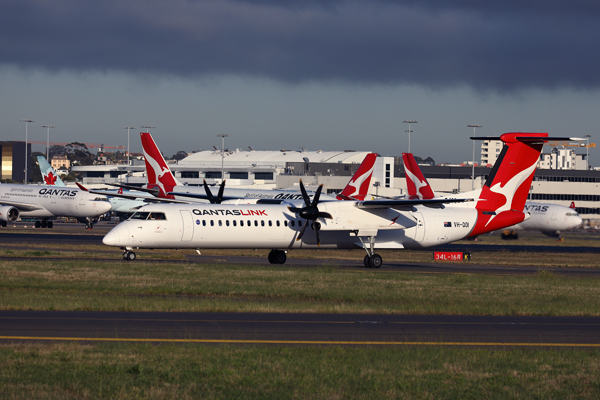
point(8, 214)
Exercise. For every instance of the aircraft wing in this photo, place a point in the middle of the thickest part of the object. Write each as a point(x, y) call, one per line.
point(403, 203)
point(131, 187)
point(23, 206)
point(132, 196)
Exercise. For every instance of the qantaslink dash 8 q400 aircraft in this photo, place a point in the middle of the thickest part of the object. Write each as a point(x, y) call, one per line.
point(370, 224)
point(550, 219)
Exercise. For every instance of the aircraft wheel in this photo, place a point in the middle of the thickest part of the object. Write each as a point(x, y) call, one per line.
point(366, 261)
point(375, 261)
point(125, 255)
point(38, 224)
point(272, 257)
point(280, 257)
point(130, 256)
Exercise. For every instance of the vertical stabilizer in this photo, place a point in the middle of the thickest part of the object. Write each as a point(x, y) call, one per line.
point(159, 175)
point(417, 185)
point(504, 194)
point(49, 175)
point(358, 187)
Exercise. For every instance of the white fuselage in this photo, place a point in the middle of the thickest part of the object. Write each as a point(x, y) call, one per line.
point(275, 227)
point(40, 201)
point(548, 217)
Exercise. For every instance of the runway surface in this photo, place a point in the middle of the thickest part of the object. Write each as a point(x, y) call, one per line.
point(299, 329)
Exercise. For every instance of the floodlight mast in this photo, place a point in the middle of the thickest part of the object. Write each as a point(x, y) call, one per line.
point(128, 153)
point(474, 126)
point(222, 136)
point(48, 140)
point(409, 121)
point(26, 122)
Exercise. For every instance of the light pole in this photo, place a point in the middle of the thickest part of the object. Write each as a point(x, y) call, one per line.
point(474, 126)
point(128, 128)
point(48, 140)
point(26, 161)
point(409, 121)
point(222, 136)
point(587, 152)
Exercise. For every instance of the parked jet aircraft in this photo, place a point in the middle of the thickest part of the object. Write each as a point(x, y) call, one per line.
point(372, 224)
point(45, 202)
point(549, 219)
point(161, 181)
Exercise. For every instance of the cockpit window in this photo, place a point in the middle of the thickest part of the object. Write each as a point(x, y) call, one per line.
point(572, 214)
point(157, 216)
point(101, 199)
point(140, 215)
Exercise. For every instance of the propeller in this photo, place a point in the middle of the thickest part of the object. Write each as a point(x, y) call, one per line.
point(211, 198)
point(310, 212)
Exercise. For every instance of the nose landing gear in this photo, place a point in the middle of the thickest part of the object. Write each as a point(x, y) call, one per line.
point(128, 255)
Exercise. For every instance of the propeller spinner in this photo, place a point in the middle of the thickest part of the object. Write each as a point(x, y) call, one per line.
point(310, 212)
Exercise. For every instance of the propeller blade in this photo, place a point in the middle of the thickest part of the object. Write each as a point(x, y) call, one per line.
point(317, 233)
point(317, 195)
point(302, 231)
point(304, 194)
point(220, 195)
point(208, 193)
point(323, 214)
point(295, 210)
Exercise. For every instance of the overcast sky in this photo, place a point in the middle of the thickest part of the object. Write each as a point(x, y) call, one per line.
point(328, 75)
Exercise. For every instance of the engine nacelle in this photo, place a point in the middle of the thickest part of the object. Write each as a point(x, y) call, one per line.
point(9, 214)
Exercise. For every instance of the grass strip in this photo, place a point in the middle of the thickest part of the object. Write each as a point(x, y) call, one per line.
point(74, 371)
point(138, 286)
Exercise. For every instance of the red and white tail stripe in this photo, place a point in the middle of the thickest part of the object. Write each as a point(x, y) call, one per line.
point(159, 174)
point(358, 187)
point(417, 185)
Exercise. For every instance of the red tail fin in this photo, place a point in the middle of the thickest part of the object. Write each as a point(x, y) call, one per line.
point(418, 187)
point(358, 187)
point(504, 194)
point(572, 205)
point(159, 174)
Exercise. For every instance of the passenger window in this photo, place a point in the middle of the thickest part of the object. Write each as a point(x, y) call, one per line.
point(203, 222)
point(278, 223)
point(242, 223)
point(227, 222)
point(292, 223)
point(270, 223)
point(220, 223)
point(255, 223)
point(212, 223)
point(284, 223)
point(249, 223)
point(234, 223)
point(262, 223)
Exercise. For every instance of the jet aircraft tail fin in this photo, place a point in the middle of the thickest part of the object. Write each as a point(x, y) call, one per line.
point(159, 175)
point(49, 175)
point(417, 185)
point(358, 187)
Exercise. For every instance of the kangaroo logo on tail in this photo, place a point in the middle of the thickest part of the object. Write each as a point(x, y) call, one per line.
point(358, 187)
point(417, 185)
point(159, 174)
point(504, 194)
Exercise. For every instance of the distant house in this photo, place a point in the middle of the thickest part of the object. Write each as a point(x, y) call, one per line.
point(58, 162)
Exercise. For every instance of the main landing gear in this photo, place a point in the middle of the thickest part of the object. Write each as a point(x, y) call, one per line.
point(128, 255)
point(43, 224)
point(371, 260)
point(277, 257)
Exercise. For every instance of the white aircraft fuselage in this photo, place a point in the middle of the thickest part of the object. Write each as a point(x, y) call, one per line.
point(40, 201)
point(275, 227)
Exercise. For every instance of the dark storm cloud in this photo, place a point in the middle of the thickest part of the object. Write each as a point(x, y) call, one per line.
point(499, 45)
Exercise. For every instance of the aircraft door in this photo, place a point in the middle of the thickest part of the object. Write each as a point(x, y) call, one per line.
point(188, 226)
point(420, 227)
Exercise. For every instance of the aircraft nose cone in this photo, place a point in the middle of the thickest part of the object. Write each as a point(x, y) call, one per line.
point(111, 238)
